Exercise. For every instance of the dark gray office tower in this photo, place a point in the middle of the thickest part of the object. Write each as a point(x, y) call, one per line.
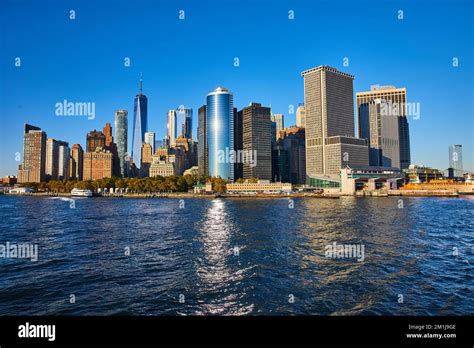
point(202, 141)
point(256, 138)
point(238, 143)
point(294, 144)
point(280, 163)
point(382, 121)
point(404, 131)
point(121, 134)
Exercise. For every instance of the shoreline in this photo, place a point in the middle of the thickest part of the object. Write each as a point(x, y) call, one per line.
point(176, 195)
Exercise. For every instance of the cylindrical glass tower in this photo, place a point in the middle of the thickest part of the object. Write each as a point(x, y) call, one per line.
point(220, 133)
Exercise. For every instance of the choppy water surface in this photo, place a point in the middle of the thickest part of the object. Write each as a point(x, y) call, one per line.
point(232, 257)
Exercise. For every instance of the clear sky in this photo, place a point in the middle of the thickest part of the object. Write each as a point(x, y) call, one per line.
point(82, 60)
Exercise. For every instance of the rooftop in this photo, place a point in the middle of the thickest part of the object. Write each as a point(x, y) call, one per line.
point(326, 68)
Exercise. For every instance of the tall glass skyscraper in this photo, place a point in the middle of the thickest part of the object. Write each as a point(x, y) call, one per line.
point(140, 125)
point(121, 134)
point(187, 127)
point(220, 132)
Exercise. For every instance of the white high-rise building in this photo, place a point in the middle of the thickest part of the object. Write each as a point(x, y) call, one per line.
point(279, 119)
point(150, 139)
point(52, 154)
point(171, 131)
point(300, 116)
point(63, 160)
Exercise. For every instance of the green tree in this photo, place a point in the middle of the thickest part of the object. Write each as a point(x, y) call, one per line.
point(182, 184)
point(219, 185)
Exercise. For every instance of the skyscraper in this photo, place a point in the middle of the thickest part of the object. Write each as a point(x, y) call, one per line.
point(220, 133)
point(34, 155)
point(455, 160)
point(202, 141)
point(279, 119)
point(146, 158)
point(150, 139)
point(121, 134)
point(330, 141)
point(238, 142)
point(94, 140)
point(77, 161)
point(52, 155)
point(109, 139)
point(171, 130)
point(280, 163)
point(294, 143)
point(140, 124)
point(381, 116)
point(300, 116)
point(63, 160)
point(112, 147)
point(185, 121)
point(256, 121)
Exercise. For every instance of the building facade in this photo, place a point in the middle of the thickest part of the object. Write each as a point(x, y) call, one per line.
point(146, 158)
point(256, 138)
point(280, 163)
point(52, 156)
point(33, 166)
point(63, 160)
point(121, 137)
point(171, 129)
point(76, 162)
point(220, 133)
point(238, 142)
point(381, 117)
point(202, 141)
point(279, 120)
point(329, 131)
point(262, 186)
point(190, 150)
point(109, 139)
point(168, 162)
point(94, 140)
point(140, 124)
point(294, 144)
point(97, 164)
point(150, 139)
point(300, 116)
point(185, 122)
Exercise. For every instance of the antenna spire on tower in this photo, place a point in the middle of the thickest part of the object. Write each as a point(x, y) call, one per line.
point(141, 84)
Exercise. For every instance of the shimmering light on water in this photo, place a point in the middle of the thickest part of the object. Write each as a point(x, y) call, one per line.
point(235, 257)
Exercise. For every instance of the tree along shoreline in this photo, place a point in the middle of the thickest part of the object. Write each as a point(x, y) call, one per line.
point(157, 184)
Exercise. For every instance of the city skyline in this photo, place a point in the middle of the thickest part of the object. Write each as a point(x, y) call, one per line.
point(430, 135)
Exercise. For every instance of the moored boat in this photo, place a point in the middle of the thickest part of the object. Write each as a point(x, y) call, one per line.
point(81, 192)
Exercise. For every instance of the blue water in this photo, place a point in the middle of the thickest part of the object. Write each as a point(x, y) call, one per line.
point(234, 257)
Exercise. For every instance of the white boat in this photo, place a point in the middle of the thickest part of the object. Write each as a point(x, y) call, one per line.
point(81, 192)
point(21, 191)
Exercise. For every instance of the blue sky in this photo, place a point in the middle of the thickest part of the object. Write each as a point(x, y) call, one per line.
point(82, 60)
